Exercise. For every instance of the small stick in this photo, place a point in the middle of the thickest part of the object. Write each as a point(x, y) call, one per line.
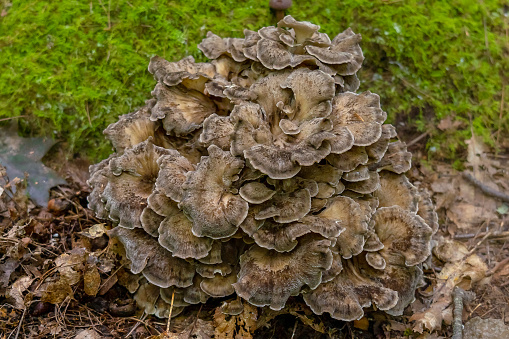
point(171, 309)
point(486, 189)
point(457, 324)
point(482, 234)
point(416, 140)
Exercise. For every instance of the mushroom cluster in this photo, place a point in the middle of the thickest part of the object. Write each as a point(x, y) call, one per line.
point(262, 175)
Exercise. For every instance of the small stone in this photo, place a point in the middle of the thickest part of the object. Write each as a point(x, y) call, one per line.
point(478, 328)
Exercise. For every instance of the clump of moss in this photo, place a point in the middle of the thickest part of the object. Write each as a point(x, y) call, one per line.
point(72, 67)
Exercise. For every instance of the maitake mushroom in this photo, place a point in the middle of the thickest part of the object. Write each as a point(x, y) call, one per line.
point(263, 174)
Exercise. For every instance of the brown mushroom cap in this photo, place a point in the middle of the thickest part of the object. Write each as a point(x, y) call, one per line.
point(131, 180)
point(215, 213)
point(280, 4)
point(360, 114)
point(396, 189)
point(133, 128)
point(348, 293)
point(349, 215)
point(270, 278)
point(152, 260)
point(406, 236)
point(180, 109)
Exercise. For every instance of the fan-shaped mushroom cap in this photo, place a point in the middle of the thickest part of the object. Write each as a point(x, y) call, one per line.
point(406, 236)
point(345, 296)
point(194, 294)
point(344, 54)
point(152, 260)
point(217, 130)
point(395, 189)
point(365, 186)
point(148, 298)
point(175, 234)
point(286, 207)
point(174, 73)
point(180, 109)
point(150, 221)
point(349, 215)
point(172, 174)
point(215, 212)
point(270, 278)
point(256, 192)
point(212, 46)
point(377, 150)
point(360, 114)
point(232, 307)
point(219, 285)
point(133, 128)
point(396, 159)
point(131, 178)
point(349, 160)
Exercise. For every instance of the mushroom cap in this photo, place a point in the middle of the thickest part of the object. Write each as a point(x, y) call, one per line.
point(280, 4)
point(215, 213)
point(131, 178)
point(270, 278)
point(348, 293)
point(158, 266)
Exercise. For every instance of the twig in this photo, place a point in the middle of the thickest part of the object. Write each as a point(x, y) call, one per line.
point(416, 140)
point(17, 117)
point(482, 234)
point(171, 309)
point(139, 321)
point(486, 189)
point(20, 322)
point(457, 324)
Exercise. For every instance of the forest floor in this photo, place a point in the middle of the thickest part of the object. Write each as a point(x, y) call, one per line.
point(58, 279)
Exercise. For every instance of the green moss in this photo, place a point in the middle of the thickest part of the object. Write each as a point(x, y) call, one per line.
point(73, 66)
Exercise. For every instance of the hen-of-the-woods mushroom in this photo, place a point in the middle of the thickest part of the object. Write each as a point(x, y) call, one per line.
point(262, 175)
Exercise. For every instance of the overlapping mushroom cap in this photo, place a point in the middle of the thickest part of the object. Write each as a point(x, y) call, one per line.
point(262, 174)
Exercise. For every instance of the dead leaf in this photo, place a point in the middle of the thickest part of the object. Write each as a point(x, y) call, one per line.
point(88, 334)
point(6, 270)
point(69, 264)
point(95, 231)
point(448, 123)
point(16, 291)
point(92, 280)
point(56, 292)
point(362, 324)
point(461, 269)
point(20, 155)
point(241, 326)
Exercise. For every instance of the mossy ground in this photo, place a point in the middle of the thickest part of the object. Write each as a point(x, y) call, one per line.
point(70, 68)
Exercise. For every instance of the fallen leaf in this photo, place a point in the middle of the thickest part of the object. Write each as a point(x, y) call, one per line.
point(362, 324)
point(56, 292)
point(6, 270)
point(240, 326)
point(20, 155)
point(16, 291)
point(92, 280)
point(88, 334)
point(461, 269)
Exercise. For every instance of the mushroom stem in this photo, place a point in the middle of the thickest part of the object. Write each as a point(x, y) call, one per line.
point(279, 7)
